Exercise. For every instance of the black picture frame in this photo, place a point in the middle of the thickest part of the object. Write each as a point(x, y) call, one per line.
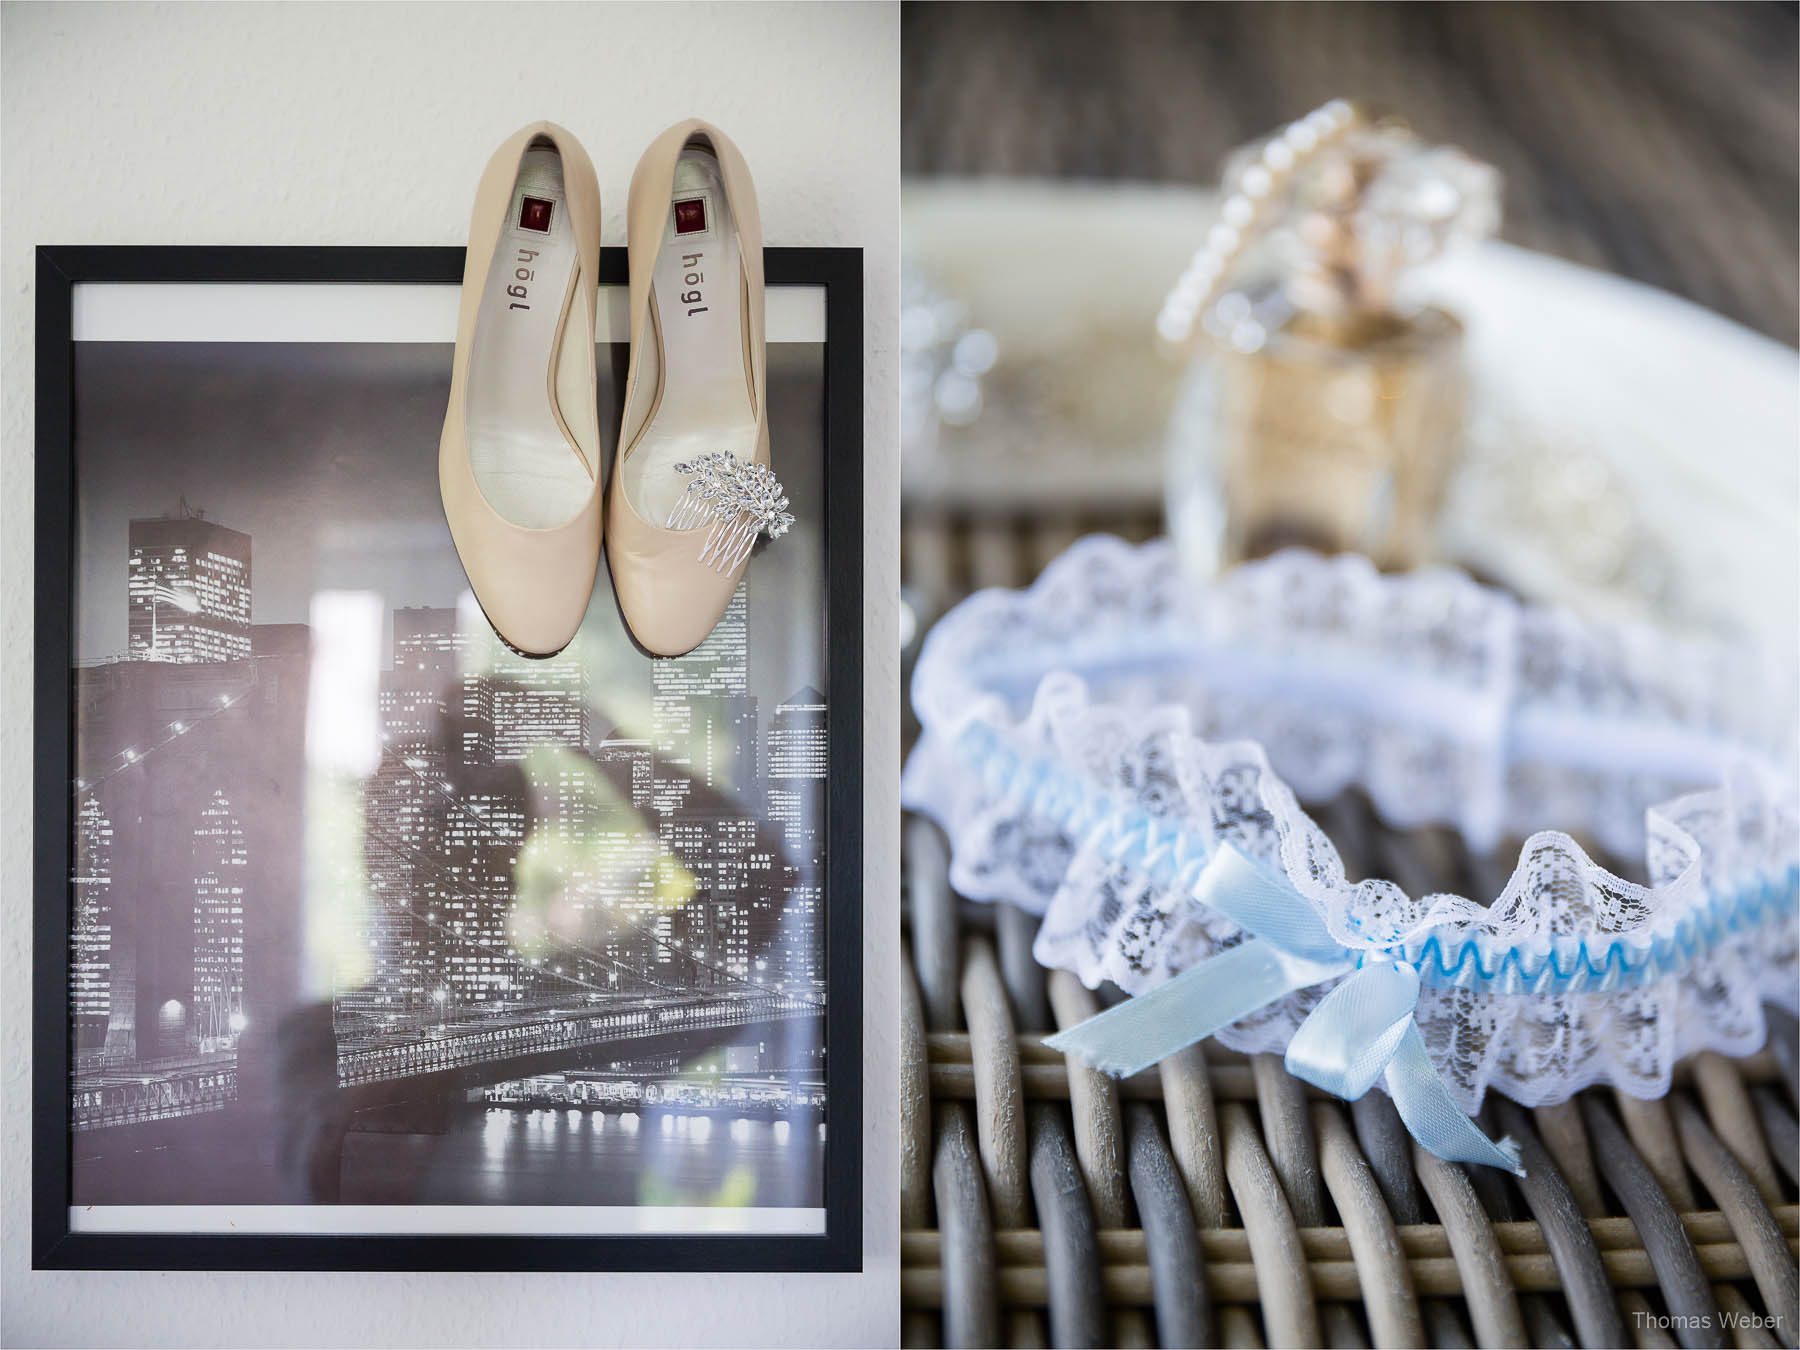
point(54, 1245)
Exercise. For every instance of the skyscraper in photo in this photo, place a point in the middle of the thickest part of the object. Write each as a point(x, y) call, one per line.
point(432, 905)
point(404, 802)
point(468, 946)
point(217, 1010)
point(798, 760)
point(538, 703)
point(627, 916)
point(427, 638)
point(422, 687)
point(706, 791)
point(187, 590)
point(719, 666)
point(703, 716)
point(402, 834)
point(90, 941)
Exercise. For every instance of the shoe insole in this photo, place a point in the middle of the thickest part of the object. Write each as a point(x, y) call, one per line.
point(524, 460)
point(696, 296)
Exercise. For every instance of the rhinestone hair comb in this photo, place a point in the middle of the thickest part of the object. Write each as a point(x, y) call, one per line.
point(738, 499)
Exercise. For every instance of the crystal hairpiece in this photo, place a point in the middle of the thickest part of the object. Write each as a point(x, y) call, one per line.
point(1120, 752)
point(739, 500)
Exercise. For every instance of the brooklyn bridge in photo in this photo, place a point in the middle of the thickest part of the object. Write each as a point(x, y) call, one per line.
point(375, 859)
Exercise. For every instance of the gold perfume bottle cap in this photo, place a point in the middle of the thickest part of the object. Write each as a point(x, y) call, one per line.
point(1336, 393)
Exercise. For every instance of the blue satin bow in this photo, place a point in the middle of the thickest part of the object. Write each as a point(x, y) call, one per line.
point(1361, 1031)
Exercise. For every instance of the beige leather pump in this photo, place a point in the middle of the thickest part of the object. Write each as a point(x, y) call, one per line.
point(691, 490)
point(519, 462)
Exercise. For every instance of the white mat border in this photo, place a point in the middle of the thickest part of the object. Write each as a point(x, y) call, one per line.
point(486, 1220)
point(349, 312)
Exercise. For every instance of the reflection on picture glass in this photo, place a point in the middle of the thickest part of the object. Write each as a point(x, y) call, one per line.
point(370, 910)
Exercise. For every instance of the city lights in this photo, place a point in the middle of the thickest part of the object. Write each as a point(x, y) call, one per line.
point(677, 899)
point(200, 571)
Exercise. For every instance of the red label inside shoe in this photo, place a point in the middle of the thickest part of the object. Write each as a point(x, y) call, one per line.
point(534, 214)
point(690, 216)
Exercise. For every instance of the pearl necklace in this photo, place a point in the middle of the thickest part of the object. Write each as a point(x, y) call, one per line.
point(1244, 214)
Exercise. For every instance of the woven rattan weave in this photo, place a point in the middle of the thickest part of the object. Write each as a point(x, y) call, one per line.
point(1217, 1200)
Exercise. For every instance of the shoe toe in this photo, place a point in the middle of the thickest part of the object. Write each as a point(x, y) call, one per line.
point(529, 619)
point(671, 602)
point(533, 585)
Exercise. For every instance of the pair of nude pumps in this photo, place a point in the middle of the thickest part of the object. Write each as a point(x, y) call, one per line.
point(691, 491)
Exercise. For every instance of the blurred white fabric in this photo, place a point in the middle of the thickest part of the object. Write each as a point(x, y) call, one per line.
point(1697, 418)
point(1617, 432)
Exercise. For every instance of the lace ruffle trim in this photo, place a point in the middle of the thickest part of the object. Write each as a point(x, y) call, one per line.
point(1096, 800)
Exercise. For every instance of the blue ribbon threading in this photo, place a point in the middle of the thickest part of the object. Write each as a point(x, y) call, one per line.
point(1173, 855)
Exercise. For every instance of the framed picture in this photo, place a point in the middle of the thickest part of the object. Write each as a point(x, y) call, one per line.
point(362, 942)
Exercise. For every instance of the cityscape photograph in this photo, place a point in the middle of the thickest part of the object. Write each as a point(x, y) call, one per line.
point(368, 909)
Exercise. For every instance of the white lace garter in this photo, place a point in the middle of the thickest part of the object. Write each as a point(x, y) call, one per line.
point(1091, 745)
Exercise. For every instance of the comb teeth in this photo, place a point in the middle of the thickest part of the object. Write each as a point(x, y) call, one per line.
point(739, 500)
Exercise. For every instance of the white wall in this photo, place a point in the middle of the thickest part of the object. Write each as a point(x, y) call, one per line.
point(328, 124)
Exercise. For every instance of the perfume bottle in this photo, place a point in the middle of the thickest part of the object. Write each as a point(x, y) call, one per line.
point(1325, 403)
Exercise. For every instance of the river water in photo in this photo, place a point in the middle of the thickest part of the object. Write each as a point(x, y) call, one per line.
point(507, 1156)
